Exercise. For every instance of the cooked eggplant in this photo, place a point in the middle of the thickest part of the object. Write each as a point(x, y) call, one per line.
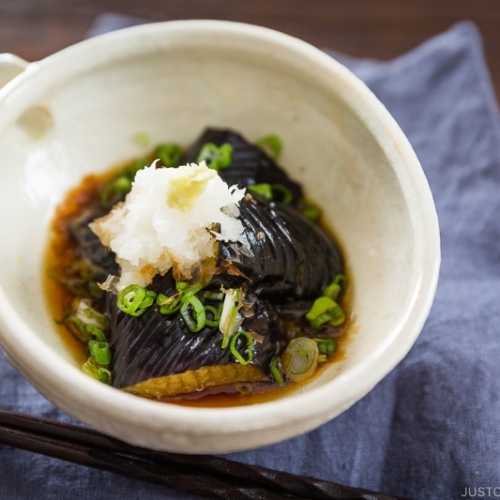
point(289, 257)
point(155, 345)
point(270, 283)
point(249, 164)
point(89, 245)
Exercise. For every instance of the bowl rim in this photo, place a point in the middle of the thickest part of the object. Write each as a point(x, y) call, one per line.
point(37, 361)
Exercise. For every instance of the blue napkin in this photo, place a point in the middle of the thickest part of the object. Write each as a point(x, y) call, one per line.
point(431, 428)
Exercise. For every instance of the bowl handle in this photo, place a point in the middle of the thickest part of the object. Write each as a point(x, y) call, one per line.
point(10, 67)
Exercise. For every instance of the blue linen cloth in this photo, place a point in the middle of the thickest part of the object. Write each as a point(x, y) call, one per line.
point(431, 428)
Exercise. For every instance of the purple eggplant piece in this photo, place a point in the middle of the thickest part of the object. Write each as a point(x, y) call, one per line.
point(249, 164)
point(290, 257)
point(156, 345)
point(89, 244)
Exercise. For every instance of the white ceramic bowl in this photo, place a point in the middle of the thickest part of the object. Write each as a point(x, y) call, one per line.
point(76, 112)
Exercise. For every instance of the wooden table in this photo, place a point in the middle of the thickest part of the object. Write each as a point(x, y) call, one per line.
point(379, 29)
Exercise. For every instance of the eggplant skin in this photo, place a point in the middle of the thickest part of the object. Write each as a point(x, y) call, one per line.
point(249, 164)
point(156, 345)
point(291, 257)
point(197, 380)
point(89, 245)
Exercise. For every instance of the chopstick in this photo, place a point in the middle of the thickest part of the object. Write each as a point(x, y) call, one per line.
point(211, 476)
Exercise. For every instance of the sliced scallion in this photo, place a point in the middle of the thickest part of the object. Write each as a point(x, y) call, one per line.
point(336, 287)
point(78, 287)
point(94, 370)
point(234, 350)
point(211, 295)
point(76, 327)
point(115, 190)
point(90, 368)
point(263, 189)
point(275, 371)
point(212, 314)
point(135, 300)
point(169, 154)
point(104, 374)
point(90, 316)
point(100, 352)
point(168, 305)
point(189, 291)
point(216, 157)
point(271, 144)
point(230, 318)
point(300, 359)
point(193, 313)
point(142, 139)
point(325, 310)
point(332, 291)
point(326, 346)
point(311, 211)
point(134, 167)
point(96, 332)
point(284, 195)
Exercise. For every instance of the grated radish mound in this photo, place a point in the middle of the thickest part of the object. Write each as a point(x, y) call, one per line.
point(171, 218)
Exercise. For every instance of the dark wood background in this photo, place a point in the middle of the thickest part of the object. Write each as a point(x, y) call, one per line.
point(379, 29)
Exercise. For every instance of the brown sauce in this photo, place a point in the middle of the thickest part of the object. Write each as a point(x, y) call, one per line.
point(61, 252)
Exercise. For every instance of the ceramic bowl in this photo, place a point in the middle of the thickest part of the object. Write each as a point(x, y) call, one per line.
point(77, 112)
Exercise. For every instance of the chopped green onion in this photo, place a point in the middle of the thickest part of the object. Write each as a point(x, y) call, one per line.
point(114, 191)
point(215, 313)
point(135, 300)
point(78, 286)
point(168, 305)
point(76, 327)
point(134, 167)
point(96, 332)
point(169, 154)
point(86, 269)
point(336, 287)
point(230, 318)
point(216, 157)
point(263, 189)
point(300, 359)
point(285, 195)
point(311, 211)
point(210, 295)
point(90, 316)
point(142, 139)
point(91, 368)
point(325, 310)
point(320, 320)
point(100, 352)
point(271, 144)
point(193, 313)
point(235, 352)
point(275, 371)
point(341, 280)
point(332, 291)
point(326, 346)
point(104, 375)
point(188, 292)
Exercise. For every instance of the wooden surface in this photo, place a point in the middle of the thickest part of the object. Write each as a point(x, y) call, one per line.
point(379, 29)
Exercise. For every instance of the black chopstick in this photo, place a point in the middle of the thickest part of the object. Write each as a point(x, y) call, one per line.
point(211, 476)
